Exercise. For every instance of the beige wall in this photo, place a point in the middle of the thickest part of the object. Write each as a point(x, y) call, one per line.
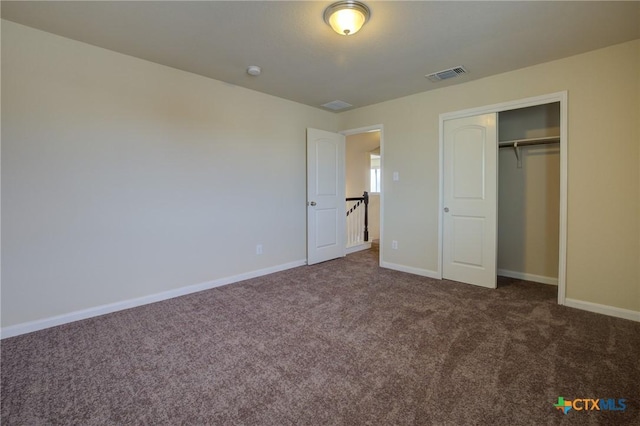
point(529, 211)
point(603, 163)
point(358, 149)
point(122, 178)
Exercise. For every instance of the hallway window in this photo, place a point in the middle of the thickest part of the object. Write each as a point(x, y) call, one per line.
point(375, 173)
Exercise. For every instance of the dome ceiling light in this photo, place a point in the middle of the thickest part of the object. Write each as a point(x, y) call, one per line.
point(347, 17)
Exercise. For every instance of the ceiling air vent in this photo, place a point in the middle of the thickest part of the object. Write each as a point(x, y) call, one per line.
point(445, 74)
point(337, 105)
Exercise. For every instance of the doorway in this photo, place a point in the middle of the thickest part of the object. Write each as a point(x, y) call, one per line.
point(364, 170)
point(444, 228)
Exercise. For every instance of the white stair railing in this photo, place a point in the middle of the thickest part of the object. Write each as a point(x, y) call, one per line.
point(357, 218)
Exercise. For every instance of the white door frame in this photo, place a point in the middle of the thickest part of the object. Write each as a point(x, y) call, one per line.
point(380, 128)
point(561, 97)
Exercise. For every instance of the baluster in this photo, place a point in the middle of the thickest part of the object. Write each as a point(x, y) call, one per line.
point(357, 227)
point(366, 216)
point(348, 224)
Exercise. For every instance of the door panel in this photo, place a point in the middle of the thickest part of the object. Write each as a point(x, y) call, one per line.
point(469, 149)
point(326, 214)
point(326, 229)
point(326, 162)
point(470, 200)
point(468, 235)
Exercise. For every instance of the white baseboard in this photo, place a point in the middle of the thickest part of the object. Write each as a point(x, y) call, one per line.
point(528, 277)
point(411, 270)
point(603, 309)
point(28, 327)
point(359, 247)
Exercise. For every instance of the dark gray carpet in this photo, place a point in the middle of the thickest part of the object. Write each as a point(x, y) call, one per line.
point(343, 342)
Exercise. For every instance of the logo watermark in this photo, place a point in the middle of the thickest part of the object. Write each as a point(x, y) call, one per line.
point(590, 404)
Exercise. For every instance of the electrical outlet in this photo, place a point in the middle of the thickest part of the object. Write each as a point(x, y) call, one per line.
point(259, 249)
point(394, 245)
point(396, 176)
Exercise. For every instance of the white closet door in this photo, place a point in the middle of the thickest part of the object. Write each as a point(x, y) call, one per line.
point(470, 200)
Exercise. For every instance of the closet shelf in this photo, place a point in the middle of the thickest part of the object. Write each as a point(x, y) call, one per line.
point(529, 141)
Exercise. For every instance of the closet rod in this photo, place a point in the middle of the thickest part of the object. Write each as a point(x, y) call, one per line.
point(531, 141)
point(517, 143)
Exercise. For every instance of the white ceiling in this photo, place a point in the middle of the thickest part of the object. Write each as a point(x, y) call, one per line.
point(303, 60)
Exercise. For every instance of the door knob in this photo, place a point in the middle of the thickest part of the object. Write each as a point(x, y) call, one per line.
point(446, 209)
point(313, 203)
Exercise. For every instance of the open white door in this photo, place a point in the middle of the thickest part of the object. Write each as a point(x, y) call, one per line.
point(469, 241)
point(326, 215)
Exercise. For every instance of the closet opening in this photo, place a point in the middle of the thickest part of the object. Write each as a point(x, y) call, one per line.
point(529, 182)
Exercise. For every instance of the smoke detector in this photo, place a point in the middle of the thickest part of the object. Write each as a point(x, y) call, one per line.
point(254, 70)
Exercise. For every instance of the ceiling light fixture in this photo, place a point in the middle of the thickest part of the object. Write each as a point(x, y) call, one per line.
point(347, 17)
